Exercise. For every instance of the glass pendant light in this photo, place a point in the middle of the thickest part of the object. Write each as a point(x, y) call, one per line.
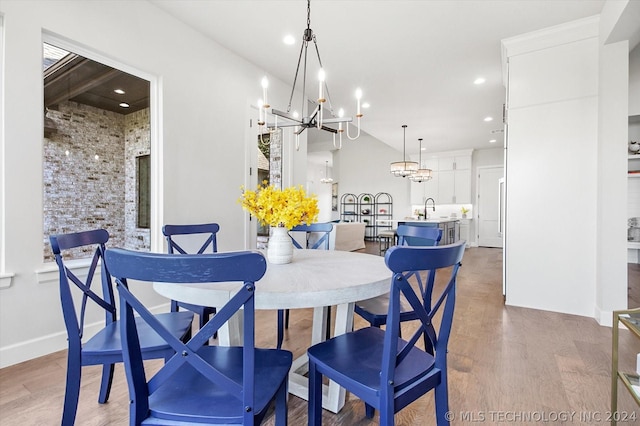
point(422, 174)
point(403, 168)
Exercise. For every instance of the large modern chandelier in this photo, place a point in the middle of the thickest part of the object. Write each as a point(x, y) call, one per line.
point(309, 119)
point(421, 174)
point(404, 168)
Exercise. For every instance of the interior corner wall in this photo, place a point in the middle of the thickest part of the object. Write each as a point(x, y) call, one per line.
point(202, 126)
point(611, 228)
point(551, 163)
point(363, 166)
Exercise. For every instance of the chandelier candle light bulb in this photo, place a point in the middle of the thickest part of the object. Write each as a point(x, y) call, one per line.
point(321, 79)
point(260, 112)
point(265, 86)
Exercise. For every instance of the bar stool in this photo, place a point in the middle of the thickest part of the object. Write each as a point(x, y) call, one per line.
point(386, 238)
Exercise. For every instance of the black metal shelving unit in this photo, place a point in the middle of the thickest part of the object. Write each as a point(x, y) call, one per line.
point(383, 212)
point(349, 208)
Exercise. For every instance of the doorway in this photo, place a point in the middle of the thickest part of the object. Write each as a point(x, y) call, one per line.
point(490, 206)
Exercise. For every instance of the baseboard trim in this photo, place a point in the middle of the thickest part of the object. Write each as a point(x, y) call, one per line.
point(45, 345)
point(604, 318)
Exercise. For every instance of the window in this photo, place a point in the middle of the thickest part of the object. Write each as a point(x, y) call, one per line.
point(143, 175)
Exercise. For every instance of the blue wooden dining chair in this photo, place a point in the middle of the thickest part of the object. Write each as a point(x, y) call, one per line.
point(105, 347)
point(200, 384)
point(375, 310)
point(321, 232)
point(208, 231)
point(385, 371)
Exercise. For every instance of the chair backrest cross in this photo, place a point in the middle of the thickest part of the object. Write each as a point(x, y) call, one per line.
point(425, 236)
point(378, 366)
point(418, 235)
point(185, 239)
point(209, 230)
point(74, 318)
point(200, 383)
point(104, 347)
point(323, 230)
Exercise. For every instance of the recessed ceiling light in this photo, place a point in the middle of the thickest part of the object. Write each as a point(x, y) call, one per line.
point(492, 141)
point(289, 40)
point(366, 105)
point(479, 80)
point(119, 91)
point(488, 119)
point(124, 105)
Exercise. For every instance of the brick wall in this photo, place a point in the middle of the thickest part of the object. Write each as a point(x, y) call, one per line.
point(84, 180)
point(137, 139)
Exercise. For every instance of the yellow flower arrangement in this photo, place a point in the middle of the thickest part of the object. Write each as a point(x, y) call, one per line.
point(287, 207)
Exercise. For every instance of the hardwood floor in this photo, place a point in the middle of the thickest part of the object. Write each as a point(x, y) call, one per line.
point(633, 273)
point(507, 365)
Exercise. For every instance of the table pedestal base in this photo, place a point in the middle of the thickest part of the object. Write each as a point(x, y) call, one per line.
point(333, 396)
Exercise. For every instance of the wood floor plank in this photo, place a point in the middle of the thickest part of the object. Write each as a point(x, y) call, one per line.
point(502, 359)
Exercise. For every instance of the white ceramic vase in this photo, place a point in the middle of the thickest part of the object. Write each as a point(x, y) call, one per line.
point(280, 248)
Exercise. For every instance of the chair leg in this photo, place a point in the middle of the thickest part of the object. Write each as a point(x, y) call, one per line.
point(442, 400)
point(280, 328)
point(314, 407)
point(213, 312)
point(174, 306)
point(105, 385)
point(281, 404)
point(369, 410)
point(203, 319)
point(387, 416)
point(286, 319)
point(72, 390)
point(328, 330)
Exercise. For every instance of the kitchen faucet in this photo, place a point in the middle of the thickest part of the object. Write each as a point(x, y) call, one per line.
point(426, 215)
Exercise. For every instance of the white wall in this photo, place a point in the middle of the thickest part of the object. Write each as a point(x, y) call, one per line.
point(363, 166)
point(205, 96)
point(566, 157)
point(551, 167)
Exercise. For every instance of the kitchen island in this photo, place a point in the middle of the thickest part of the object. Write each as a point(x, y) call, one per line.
point(450, 227)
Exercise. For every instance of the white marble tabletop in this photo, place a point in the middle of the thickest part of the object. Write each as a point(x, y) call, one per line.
point(315, 279)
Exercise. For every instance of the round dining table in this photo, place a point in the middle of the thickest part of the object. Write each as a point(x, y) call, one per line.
point(314, 279)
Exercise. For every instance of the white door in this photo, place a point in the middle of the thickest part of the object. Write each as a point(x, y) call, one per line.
point(489, 206)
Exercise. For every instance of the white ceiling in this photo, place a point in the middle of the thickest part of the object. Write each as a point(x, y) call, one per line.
point(415, 61)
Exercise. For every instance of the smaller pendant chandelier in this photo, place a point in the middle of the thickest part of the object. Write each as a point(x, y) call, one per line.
point(326, 178)
point(422, 174)
point(404, 168)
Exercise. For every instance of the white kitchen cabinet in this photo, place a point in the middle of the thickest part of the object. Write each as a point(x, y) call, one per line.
point(420, 191)
point(454, 187)
point(462, 187)
point(464, 230)
point(454, 183)
point(451, 182)
point(454, 162)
